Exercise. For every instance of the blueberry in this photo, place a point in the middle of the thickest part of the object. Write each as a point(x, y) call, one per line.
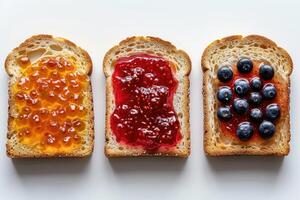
point(266, 129)
point(225, 74)
point(272, 111)
point(256, 115)
point(224, 94)
point(240, 106)
point(266, 72)
point(255, 98)
point(224, 113)
point(269, 91)
point(256, 83)
point(241, 86)
point(244, 131)
point(244, 65)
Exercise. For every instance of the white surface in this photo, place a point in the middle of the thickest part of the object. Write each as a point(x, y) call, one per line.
point(191, 26)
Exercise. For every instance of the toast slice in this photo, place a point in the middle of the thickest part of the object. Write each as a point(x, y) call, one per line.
point(227, 52)
point(181, 67)
point(50, 110)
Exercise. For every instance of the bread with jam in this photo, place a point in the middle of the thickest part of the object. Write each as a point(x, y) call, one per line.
point(246, 88)
point(50, 99)
point(147, 99)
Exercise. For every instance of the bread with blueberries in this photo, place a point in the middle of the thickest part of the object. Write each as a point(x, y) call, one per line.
point(246, 87)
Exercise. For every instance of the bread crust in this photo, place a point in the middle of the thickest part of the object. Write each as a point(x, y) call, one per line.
point(106, 68)
point(11, 152)
point(209, 148)
point(167, 45)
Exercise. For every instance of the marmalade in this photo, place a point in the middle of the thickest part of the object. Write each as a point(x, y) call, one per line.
point(48, 100)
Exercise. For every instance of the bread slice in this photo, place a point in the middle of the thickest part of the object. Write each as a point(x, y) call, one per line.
point(158, 47)
point(35, 49)
point(227, 51)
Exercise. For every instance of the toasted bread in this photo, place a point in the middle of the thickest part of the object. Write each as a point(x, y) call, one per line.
point(157, 47)
point(20, 65)
point(227, 51)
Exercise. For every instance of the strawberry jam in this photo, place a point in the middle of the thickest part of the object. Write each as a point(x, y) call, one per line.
point(144, 116)
point(230, 79)
point(49, 99)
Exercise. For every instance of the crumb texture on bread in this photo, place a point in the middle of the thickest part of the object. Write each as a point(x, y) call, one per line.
point(36, 49)
point(158, 47)
point(227, 51)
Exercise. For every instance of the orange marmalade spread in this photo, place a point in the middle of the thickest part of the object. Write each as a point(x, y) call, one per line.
point(48, 100)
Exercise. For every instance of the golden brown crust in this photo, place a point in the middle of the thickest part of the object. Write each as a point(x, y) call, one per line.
point(211, 151)
point(171, 48)
point(50, 37)
point(19, 154)
point(258, 38)
point(167, 44)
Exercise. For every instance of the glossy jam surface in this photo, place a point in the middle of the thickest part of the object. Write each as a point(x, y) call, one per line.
point(144, 115)
point(229, 127)
point(49, 104)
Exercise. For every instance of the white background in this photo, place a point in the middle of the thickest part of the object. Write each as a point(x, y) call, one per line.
point(190, 25)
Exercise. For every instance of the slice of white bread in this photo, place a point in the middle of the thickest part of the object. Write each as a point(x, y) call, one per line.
point(158, 47)
point(36, 48)
point(227, 51)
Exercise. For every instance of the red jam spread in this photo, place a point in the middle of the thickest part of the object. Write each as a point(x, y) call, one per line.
point(144, 87)
point(229, 126)
point(49, 99)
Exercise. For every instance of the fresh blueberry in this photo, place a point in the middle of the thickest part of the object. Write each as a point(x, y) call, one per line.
point(272, 111)
point(269, 91)
point(241, 86)
point(244, 131)
point(224, 113)
point(266, 129)
point(256, 83)
point(256, 114)
point(255, 98)
point(244, 65)
point(266, 72)
point(224, 94)
point(225, 74)
point(240, 105)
